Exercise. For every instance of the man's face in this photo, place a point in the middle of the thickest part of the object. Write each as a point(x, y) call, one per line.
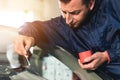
point(74, 12)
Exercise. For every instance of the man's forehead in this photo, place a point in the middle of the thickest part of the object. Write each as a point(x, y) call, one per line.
point(71, 6)
point(72, 3)
point(67, 1)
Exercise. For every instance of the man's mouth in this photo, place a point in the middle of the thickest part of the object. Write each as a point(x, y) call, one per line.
point(72, 25)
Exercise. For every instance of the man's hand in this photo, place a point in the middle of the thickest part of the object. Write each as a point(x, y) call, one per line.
point(94, 61)
point(22, 44)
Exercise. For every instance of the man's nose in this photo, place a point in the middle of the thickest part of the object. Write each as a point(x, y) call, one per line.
point(68, 19)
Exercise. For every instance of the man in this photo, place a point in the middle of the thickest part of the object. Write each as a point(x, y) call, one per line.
point(84, 25)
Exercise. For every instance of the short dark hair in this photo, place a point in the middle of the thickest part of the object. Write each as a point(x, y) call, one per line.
point(86, 2)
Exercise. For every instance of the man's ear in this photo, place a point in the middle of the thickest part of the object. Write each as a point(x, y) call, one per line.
point(91, 5)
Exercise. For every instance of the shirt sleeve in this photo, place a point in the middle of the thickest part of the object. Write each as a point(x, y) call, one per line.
point(47, 34)
point(114, 34)
point(114, 50)
point(41, 31)
point(114, 9)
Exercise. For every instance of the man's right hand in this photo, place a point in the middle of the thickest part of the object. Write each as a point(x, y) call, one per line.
point(22, 44)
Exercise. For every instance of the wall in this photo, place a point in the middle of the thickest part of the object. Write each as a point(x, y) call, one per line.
point(42, 9)
point(7, 36)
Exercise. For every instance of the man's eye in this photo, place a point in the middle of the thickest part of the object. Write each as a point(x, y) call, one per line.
point(64, 12)
point(75, 12)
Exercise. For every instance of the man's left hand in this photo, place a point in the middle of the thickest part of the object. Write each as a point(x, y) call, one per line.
point(94, 61)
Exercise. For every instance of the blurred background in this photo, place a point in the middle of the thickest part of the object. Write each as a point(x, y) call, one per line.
point(16, 12)
point(13, 13)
